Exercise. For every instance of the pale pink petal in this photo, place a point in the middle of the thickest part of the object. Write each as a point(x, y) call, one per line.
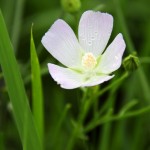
point(67, 78)
point(112, 57)
point(94, 31)
point(62, 43)
point(95, 80)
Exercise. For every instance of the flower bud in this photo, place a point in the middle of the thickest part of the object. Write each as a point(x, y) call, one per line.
point(131, 63)
point(71, 6)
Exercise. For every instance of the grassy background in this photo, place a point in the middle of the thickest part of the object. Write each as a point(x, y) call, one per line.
point(130, 18)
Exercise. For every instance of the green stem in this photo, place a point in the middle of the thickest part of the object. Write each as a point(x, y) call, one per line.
point(101, 92)
point(106, 128)
point(105, 132)
point(117, 117)
point(111, 99)
point(17, 22)
point(84, 109)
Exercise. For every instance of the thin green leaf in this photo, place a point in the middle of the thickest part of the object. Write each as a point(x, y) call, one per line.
point(21, 110)
point(37, 94)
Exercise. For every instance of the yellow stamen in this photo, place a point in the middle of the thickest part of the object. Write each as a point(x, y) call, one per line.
point(89, 61)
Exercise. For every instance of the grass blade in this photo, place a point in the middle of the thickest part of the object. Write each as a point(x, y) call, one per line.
point(16, 26)
point(37, 95)
point(16, 91)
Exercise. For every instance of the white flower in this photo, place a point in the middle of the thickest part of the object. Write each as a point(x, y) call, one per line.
point(87, 64)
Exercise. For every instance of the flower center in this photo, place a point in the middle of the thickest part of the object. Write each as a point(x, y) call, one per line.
point(89, 61)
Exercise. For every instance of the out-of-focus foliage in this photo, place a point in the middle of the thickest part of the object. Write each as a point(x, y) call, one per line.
point(61, 107)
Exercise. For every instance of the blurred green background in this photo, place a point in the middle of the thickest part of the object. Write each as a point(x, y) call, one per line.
point(132, 18)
